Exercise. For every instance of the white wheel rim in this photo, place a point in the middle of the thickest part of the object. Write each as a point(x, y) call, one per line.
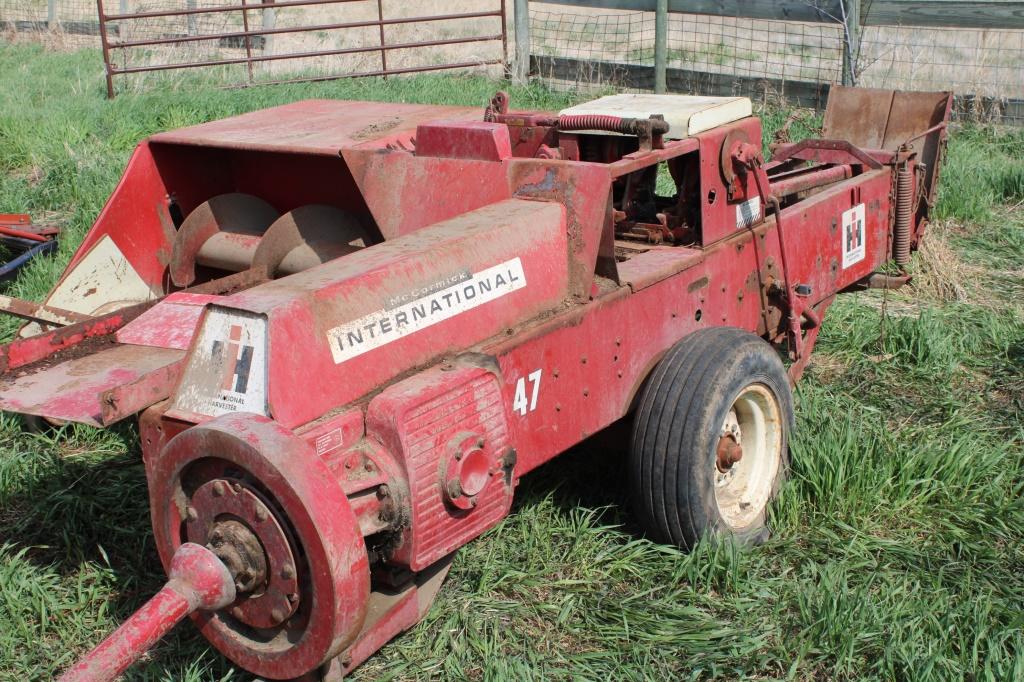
point(754, 422)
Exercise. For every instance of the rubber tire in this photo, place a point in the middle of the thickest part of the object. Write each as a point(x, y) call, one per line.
point(676, 430)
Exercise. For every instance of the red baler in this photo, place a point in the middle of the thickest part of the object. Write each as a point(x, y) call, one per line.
point(350, 328)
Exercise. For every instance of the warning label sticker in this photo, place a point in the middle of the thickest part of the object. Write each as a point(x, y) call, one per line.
point(423, 307)
point(853, 235)
point(748, 212)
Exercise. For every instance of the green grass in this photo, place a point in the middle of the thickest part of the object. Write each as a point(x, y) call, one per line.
point(898, 545)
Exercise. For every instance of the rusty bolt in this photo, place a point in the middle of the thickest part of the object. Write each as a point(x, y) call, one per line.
point(287, 571)
point(261, 513)
point(218, 489)
point(368, 466)
point(384, 490)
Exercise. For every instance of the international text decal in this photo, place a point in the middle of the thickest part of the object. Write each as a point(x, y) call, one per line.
point(428, 305)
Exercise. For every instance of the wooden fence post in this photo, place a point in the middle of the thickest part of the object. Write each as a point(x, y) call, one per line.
point(269, 23)
point(851, 40)
point(521, 11)
point(52, 20)
point(191, 25)
point(660, 45)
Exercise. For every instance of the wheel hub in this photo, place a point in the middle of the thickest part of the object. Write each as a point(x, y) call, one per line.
point(233, 520)
point(748, 456)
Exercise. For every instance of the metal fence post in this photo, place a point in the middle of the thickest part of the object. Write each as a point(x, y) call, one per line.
point(851, 40)
point(521, 11)
point(660, 45)
point(51, 14)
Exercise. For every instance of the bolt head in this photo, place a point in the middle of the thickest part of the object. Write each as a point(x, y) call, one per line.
point(261, 513)
point(287, 571)
point(191, 513)
point(218, 489)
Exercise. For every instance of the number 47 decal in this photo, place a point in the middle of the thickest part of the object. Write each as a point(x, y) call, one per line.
point(520, 403)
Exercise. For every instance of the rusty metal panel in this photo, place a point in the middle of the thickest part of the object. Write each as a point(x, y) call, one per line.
point(321, 127)
point(71, 390)
point(913, 113)
point(882, 119)
point(857, 115)
point(658, 263)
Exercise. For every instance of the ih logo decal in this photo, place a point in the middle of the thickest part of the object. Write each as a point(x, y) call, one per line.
point(236, 361)
point(853, 235)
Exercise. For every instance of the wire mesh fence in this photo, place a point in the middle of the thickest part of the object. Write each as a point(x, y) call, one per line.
point(69, 24)
point(594, 49)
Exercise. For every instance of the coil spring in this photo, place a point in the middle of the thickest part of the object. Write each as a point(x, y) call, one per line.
point(904, 206)
point(591, 122)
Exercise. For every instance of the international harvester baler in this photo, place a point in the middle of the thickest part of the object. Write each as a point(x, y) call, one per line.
point(350, 328)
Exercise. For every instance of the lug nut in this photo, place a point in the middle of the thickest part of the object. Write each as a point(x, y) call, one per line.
point(218, 489)
point(287, 571)
point(261, 513)
point(191, 513)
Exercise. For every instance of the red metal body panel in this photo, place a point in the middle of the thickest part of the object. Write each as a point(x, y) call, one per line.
point(303, 309)
point(426, 417)
point(319, 127)
point(146, 245)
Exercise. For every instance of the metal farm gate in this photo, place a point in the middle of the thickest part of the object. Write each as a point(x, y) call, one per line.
point(244, 43)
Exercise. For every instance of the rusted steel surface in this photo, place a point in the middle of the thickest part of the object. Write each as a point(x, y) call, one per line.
point(72, 390)
point(197, 580)
point(315, 127)
point(66, 341)
point(475, 294)
point(37, 312)
point(810, 180)
point(252, 58)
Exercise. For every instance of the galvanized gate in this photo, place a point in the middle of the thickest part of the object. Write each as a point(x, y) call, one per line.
point(274, 41)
